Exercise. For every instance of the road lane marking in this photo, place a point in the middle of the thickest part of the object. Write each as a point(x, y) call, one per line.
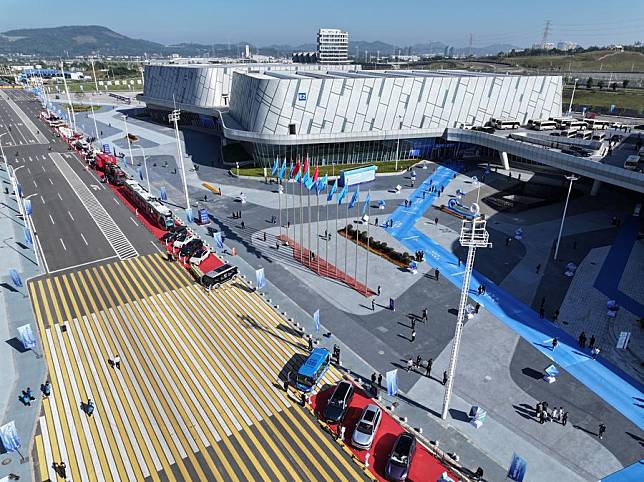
point(85, 241)
point(42, 199)
point(43, 169)
point(61, 242)
point(83, 264)
point(29, 171)
point(132, 219)
point(52, 219)
point(35, 184)
point(50, 181)
point(59, 196)
point(70, 215)
point(115, 201)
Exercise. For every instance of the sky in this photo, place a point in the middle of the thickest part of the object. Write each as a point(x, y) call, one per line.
point(400, 22)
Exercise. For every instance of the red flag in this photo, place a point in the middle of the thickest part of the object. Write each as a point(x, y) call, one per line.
point(297, 167)
point(306, 165)
point(316, 173)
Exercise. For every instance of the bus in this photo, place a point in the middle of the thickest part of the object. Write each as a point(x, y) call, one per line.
point(584, 134)
point(598, 136)
point(632, 163)
point(570, 132)
point(542, 124)
point(597, 124)
point(313, 369)
point(150, 206)
point(504, 123)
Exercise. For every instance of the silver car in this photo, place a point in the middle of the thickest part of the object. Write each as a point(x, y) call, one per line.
point(367, 426)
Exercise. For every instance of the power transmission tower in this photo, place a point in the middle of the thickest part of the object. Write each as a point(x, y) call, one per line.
point(470, 44)
point(546, 32)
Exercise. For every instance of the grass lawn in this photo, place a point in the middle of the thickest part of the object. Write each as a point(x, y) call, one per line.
point(84, 107)
point(329, 170)
point(606, 60)
point(622, 99)
point(90, 87)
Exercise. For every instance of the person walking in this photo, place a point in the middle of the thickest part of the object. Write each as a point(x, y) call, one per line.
point(438, 274)
point(591, 342)
point(410, 364)
point(46, 389)
point(413, 323)
point(117, 362)
point(445, 377)
point(89, 407)
point(436, 221)
point(564, 419)
point(477, 307)
point(555, 414)
point(555, 342)
point(379, 380)
point(595, 352)
point(542, 417)
point(602, 431)
point(413, 336)
point(373, 378)
point(424, 316)
point(243, 225)
point(419, 360)
point(373, 305)
point(428, 370)
point(538, 268)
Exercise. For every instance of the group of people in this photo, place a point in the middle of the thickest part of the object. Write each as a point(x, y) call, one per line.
point(584, 342)
point(237, 214)
point(558, 415)
point(27, 396)
point(419, 255)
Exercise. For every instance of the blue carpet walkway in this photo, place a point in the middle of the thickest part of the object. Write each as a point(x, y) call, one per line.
point(609, 382)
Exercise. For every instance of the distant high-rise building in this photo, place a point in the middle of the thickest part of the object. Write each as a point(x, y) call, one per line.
point(446, 53)
point(567, 45)
point(450, 52)
point(247, 52)
point(333, 46)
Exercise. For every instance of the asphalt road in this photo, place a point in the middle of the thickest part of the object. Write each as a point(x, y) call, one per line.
point(65, 217)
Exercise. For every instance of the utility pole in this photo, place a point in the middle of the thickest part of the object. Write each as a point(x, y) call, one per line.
point(546, 32)
point(572, 178)
point(473, 235)
point(94, 74)
point(69, 100)
point(174, 117)
point(470, 44)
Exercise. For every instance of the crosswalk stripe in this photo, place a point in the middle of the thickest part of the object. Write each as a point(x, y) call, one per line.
point(45, 457)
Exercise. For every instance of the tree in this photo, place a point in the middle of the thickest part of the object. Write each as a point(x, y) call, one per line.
point(589, 83)
point(600, 84)
point(625, 83)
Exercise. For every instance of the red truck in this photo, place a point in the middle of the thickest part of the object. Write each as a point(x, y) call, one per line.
point(108, 165)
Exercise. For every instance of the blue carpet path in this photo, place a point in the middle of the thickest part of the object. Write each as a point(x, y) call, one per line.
point(609, 382)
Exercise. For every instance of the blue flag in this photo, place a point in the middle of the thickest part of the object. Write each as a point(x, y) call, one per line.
point(283, 170)
point(392, 383)
point(219, 240)
point(366, 203)
point(309, 183)
point(290, 173)
point(332, 191)
point(297, 176)
point(354, 198)
point(305, 178)
point(275, 167)
point(9, 437)
point(322, 184)
point(316, 321)
point(260, 278)
point(343, 194)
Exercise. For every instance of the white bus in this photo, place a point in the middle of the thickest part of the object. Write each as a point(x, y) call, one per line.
point(632, 163)
point(568, 122)
point(542, 124)
point(569, 132)
point(598, 136)
point(504, 123)
point(584, 134)
point(597, 124)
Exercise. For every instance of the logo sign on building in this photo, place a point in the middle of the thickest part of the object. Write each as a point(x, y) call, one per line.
point(301, 96)
point(260, 279)
point(517, 468)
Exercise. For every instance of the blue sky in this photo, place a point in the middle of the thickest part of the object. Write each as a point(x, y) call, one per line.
point(401, 22)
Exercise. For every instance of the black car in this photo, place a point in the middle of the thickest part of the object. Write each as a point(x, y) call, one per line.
point(191, 247)
point(338, 403)
point(219, 275)
point(173, 233)
point(400, 457)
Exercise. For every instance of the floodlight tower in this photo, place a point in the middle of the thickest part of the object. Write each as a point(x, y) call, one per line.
point(473, 235)
point(174, 117)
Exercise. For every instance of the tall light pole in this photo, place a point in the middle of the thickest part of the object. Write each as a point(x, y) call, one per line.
point(69, 100)
point(398, 141)
point(94, 74)
point(572, 97)
point(572, 178)
point(127, 136)
point(174, 117)
point(473, 235)
point(145, 166)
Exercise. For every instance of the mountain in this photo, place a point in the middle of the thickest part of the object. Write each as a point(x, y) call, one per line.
point(73, 41)
point(94, 39)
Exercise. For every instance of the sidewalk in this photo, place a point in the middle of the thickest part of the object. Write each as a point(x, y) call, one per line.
point(20, 368)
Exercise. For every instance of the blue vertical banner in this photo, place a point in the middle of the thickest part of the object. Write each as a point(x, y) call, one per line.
point(392, 382)
point(260, 279)
point(9, 437)
point(140, 171)
point(189, 216)
point(28, 238)
point(163, 194)
point(26, 336)
point(219, 240)
point(15, 277)
point(28, 208)
point(517, 468)
point(316, 322)
point(18, 189)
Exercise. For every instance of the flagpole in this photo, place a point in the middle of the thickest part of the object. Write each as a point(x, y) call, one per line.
point(301, 225)
point(308, 202)
point(327, 232)
point(286, 189)
point(346, 241)
point(279, 200)
point(337, 215)
point(355, 277)
point(317, 229)
point(366, 271)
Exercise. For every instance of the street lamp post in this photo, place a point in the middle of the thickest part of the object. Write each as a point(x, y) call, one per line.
point(473, 235)
point(69, 100)
point(174, 117)
point(572, 97)
point(398, 141)
point(145, 166)
point(127, 136)
point(571, 178)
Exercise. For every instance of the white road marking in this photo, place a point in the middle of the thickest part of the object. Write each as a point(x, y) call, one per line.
point(70, 215)
point(52, 219)
point(29, 171)
point(156, 247)
point(35, 184)
point(50, 181)
point(115, 201)
point(132, 219)
point(59, 196)
point(85, 241)
point(42, 199)
point(61, 242)
point(43, 169)
point(83, 264)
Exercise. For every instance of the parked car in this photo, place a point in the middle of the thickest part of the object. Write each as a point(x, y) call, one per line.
point(365, 431)
point(173, 233)
point(400, 458)
point(199, 256)
point(336, 407)
point(183, 239)
point(191, 247)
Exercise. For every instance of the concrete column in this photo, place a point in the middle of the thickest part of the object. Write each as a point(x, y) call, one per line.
point(595, 189)
point(504, 160)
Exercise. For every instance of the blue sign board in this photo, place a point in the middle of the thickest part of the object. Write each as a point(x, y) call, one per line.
point(203, 216)
point(517, 468)
point(106, 148)
point(301, 96)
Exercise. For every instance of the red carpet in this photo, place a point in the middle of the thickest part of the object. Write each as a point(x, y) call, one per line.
point(424, 466)
point(320, 266)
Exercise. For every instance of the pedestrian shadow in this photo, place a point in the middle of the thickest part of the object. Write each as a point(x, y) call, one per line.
point(543, 345)
point(287, 329)
point(581, 353)
point(8, 287)
point(532, 373)
point(400, 335)
point(243, 287)
point(250, 322)
point(528, 414)
point(404, 324)
point(16, 344)
point(289, 369)
point(453, 311)
point(459, 415)
point(579, 427)
point(639, 440)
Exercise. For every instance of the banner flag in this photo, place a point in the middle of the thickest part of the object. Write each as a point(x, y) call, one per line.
point(260, 279)
point(306, 164)
point(26, 336)
point(322, 184)
point(392, 383)
point(28, 208)
point(343, 194)
point(282, 170)
point(517, 468)
point(354, 198)
point(366, 203)
point(316, 321)
point(276, 165)
point(305, 178)
point(219, 240)
point(291, 171)
point(309, 183)
point(333, 190)
point(9, 437)
point(28, 238)
point(163, 194)
point(316, 173)
point(189, 216)
point(15, 277)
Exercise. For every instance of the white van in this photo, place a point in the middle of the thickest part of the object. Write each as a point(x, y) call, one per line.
point(632, 163)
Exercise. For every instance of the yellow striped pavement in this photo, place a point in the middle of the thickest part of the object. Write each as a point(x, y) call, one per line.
point(198, 395)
